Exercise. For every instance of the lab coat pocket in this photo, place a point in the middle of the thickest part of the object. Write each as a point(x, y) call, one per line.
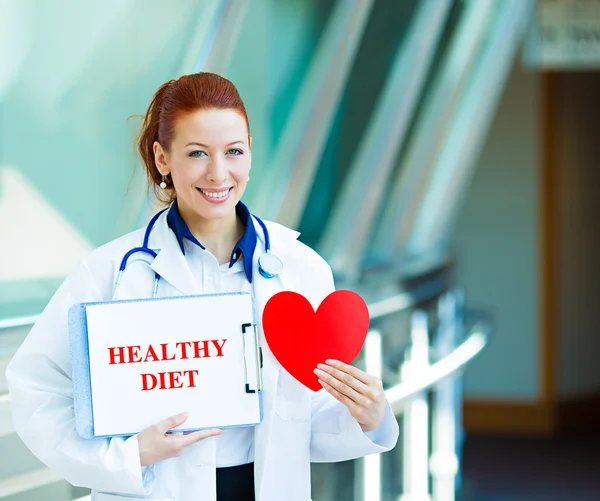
point(293, 399)
point(106, 496)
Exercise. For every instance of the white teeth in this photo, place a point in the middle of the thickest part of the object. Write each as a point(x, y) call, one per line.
point(215, 194)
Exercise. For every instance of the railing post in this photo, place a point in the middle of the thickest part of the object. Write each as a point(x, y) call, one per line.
point(367, 486)
point(415, 441)
point(446, 405)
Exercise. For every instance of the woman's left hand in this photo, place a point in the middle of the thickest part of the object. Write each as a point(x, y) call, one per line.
point(360, 392)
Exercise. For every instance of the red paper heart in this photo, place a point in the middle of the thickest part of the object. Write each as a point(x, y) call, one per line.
point(300, 339)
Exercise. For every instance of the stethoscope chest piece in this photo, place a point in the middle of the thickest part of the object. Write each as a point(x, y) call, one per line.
point(269, 265)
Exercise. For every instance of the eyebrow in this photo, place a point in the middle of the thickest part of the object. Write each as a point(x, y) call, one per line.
point(206, 146)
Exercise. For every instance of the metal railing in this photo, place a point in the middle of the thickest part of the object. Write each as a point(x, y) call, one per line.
point(436, 373)
point(14, 323)
point(431, 364)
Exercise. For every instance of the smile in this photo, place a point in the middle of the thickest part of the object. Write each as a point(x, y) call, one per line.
point(219, 196)
point(215, 194)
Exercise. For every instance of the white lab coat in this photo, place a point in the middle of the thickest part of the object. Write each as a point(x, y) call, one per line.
point(299, 426)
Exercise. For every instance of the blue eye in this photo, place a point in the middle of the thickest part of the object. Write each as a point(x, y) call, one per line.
point(197, 154)
point(235, 151)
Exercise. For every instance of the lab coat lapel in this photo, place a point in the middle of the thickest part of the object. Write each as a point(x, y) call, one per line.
point(264, 289)
point(170, 262)
point(171, 265)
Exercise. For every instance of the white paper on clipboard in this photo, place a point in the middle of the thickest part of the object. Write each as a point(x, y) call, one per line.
point(138, 362)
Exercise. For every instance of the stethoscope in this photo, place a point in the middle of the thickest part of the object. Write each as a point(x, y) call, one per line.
point(269, 265)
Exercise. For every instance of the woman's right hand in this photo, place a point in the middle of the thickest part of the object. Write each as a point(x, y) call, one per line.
point(156, 444)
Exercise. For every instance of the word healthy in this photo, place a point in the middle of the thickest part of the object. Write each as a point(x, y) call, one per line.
point(184, 350)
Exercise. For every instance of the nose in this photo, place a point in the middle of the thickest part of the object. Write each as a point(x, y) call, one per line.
point(217, 171)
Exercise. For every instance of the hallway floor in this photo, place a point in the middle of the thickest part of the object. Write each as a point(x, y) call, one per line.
point(565, 468)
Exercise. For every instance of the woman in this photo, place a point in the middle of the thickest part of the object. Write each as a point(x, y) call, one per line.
point(196, 147)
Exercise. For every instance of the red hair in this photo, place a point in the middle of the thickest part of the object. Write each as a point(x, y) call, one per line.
point(174, 98)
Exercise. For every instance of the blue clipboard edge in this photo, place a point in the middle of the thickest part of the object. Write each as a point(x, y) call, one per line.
point(80, 363)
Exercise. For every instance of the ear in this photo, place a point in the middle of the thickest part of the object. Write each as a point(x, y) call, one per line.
point(160, 159)
point(250, 142)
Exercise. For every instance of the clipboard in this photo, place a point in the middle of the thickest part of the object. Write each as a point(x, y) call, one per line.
point(137, 362)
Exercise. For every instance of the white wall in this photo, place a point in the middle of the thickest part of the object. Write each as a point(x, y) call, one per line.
point(496, 241)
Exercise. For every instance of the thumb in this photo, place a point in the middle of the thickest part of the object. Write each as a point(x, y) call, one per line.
point(172, 422)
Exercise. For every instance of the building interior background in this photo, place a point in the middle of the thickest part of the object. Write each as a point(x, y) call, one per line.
point(440, 154)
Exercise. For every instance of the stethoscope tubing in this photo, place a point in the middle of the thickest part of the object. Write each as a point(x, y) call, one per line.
point(145, 249)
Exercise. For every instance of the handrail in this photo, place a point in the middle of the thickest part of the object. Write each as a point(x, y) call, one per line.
point(6, 423)
point(447, 366)
point(12, 323)
point(21, 486)
point(405, 300)
point(392, 304)
point(398, 395)
point(377, 309)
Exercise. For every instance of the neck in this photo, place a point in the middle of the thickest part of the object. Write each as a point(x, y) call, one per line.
point(218, 236)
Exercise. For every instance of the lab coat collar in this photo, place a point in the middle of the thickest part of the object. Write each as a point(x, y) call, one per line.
point(244, 247)
point(170, 262)
point(171, 265)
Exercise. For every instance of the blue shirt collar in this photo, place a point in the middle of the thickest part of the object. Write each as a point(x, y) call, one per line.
point(245, 246)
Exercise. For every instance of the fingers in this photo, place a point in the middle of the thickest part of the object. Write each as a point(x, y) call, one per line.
point(352, 406)
point(361, 387)
point(351, 370)
point(196, 436)
point(345, 377)
point(156, 444)
point(185, 439)
point(172, 422)
point(343, 383)
point(368, 407)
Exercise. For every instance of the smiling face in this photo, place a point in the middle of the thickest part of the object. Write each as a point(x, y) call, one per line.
point(209, 161)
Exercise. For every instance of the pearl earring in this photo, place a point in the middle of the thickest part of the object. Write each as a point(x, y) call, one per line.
point(163, 185)
point(248, 178)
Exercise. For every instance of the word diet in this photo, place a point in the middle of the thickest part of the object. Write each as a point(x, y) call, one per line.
point(163, 352)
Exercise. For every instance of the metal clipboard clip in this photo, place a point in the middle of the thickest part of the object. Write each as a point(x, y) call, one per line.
point(258, 355)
